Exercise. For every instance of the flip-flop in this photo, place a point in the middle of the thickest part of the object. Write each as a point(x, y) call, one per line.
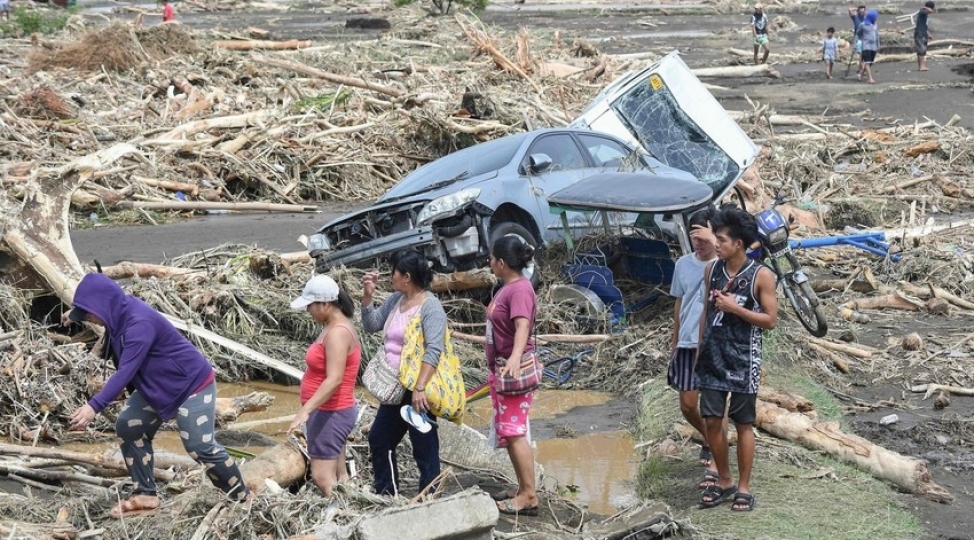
point(503, 495)
point(710, 478)
point(745, 502)
point(717, 495)
point(418, 420)
point(506, 508)
point(705, 456)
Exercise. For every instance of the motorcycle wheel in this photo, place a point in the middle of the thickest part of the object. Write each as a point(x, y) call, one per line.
point(806, 305)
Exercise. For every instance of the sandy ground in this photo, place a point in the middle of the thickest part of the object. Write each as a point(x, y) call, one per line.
point(902, 95)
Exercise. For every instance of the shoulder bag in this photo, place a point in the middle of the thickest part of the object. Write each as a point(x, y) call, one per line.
point(382, 379)
point(531, 371)
point(445, 390)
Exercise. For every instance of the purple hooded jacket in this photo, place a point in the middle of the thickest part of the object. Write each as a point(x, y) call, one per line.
point(152, 356)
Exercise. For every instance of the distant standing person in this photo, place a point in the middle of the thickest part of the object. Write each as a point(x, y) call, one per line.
point(168, 12)
point(759, 25)
point(5, 9)
point(740, 303)
point(921, 35)
point(831, 49)
point(870, 36)
point(857, 15)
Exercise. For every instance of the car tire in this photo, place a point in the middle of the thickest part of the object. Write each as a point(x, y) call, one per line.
point(510, 228)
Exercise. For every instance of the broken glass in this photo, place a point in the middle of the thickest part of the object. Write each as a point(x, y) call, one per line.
point(669, 135)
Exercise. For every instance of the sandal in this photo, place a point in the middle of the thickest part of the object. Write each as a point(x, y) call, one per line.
point(744, 502)
point(705, 456)
point(134, 507)
point(505, 508)
point(710, 478)
point(503, 495)
point(715, 495)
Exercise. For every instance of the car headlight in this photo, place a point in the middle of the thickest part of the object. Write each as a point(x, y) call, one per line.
point(318, 242)
point(778, 235)
point(446, 205)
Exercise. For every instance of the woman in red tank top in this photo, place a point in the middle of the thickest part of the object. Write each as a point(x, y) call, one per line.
point(328, 408)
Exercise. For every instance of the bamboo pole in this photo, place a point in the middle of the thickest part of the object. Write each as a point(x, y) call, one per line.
point(206, 205)
point(260, 44)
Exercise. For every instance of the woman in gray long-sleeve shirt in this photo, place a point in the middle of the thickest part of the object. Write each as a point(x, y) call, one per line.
point(411, 277)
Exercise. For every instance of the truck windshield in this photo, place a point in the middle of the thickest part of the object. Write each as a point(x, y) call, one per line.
point(672, 137)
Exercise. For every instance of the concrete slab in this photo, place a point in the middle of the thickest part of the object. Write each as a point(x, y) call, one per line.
point(469, 515)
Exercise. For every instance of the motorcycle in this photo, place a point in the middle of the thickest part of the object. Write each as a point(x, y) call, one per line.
point(774, 250)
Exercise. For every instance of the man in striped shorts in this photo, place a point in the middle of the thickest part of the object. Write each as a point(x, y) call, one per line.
point(687, 288)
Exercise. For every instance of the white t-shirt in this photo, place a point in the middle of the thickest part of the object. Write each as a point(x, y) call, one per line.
point(688, 285)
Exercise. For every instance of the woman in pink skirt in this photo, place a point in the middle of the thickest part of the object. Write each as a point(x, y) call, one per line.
point(510, 319)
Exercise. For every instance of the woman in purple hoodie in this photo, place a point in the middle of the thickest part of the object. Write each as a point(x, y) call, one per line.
point(166, 377)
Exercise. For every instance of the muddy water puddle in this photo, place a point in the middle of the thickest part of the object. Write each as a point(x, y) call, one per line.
point(585, 454)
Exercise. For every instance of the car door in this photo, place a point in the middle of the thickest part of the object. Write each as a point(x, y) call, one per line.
point(668, 111)
point(569, 165)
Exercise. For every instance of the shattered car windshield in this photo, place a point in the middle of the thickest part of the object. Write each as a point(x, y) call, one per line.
point(670, 136)
point(467, 163)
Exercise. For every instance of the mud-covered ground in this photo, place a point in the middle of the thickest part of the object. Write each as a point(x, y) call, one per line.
point(901, 95)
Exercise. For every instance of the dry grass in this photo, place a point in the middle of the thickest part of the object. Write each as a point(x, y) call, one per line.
point(116, 47)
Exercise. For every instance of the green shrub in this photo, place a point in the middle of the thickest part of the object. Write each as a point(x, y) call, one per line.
point(42, 21)
point(443, 6)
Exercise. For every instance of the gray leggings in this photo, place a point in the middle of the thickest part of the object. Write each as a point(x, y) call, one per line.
point(137, 425)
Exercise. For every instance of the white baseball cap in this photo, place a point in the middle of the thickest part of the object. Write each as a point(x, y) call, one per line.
point(320, 288)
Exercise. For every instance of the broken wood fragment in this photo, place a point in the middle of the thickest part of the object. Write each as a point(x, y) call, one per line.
point(930, 388)
point(859, 351)
point(228, 409)
point(258, 44)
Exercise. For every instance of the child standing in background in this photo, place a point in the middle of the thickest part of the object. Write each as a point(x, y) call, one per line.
point(831, 50)
point(168, 12)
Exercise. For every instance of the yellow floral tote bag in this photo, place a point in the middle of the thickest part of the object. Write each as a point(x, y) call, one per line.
point(445, 390)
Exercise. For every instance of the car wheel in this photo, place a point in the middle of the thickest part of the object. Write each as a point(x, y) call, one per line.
point(509, 228)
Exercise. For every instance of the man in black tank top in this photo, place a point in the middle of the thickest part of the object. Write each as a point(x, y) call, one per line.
point(740, 304)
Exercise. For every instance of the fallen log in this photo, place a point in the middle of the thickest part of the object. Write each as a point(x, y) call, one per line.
point(59, 530)
point(761, 70)
point(893, 300)
point(184, 131)
point(331, 77)
point(283, 464)
point(930, 388)
point(128, 270)
point(38, 236)
point(933, 291)
point(882, 58)
point(862, 281)
point(839, 362)
point(233, 346)
point(859, 351)
point(260, 44)
point(463, 281)
point(228, 409)
point(905, 472)
point(206, 205)
point(909, 183)
point(787, 401)
point(99, 461)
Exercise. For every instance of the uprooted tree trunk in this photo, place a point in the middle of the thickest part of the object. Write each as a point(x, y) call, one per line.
point(905, 472)
point(283, 464)
point(37, 234)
